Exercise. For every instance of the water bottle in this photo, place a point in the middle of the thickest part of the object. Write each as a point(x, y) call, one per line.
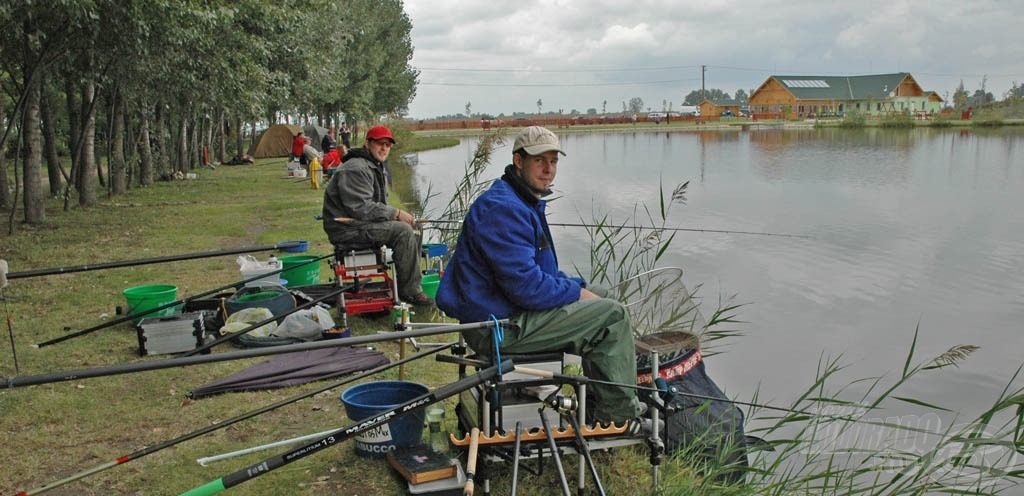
point(437, 436)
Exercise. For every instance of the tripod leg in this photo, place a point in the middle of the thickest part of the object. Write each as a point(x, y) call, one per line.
point(554, 453)
point(584, 448)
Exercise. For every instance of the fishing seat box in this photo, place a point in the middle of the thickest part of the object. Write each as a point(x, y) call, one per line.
point(174, 334)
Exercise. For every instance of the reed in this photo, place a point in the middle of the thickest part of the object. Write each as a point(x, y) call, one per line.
point(835, 437)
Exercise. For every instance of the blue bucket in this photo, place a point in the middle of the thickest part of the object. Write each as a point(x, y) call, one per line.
point(366, 400)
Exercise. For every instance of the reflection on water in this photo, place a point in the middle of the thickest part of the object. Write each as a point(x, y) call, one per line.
point(910, 228)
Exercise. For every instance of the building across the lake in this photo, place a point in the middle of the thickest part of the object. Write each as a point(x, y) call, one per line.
point(824, 96)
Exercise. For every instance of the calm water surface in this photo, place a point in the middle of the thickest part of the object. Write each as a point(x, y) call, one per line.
point(910, 229)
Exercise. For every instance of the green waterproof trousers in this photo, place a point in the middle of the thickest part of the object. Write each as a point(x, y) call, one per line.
point(598, 330)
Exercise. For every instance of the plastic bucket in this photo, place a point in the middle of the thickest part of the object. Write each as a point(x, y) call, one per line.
point(148, 297)
point(275, 298)
point(372, 398)
point(430, 283)
point(306, 275)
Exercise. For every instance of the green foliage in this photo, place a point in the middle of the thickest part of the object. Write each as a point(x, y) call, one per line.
point(897, 120)
point(853, 119)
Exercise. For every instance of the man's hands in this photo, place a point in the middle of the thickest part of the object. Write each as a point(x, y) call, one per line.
point(586, 294)
point(406, 217)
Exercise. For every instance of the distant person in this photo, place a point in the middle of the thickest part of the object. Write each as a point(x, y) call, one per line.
point(504, 266)
point(356, 213)
point(298, 142)
point(346, 135)
point(328, 142)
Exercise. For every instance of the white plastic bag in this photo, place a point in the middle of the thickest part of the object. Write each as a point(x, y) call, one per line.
point(247, 317)
point(307, 324)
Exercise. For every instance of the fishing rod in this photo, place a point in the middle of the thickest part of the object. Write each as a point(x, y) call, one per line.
point(222, 424)
point(661, 387)
point(647, 228)
point(145, 261)
point(340, 435)
point(134, 316)
point(125, 368)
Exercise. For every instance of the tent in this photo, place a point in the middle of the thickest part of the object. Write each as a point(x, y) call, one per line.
point(316, 135)
point(276, 141)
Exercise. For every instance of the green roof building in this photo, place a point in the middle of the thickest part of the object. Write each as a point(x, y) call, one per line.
point(819, 96)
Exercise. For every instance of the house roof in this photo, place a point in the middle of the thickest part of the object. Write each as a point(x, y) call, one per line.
point(723, 102)
point(841, 87)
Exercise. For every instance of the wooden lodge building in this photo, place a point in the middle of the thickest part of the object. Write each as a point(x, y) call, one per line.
point(833, 96)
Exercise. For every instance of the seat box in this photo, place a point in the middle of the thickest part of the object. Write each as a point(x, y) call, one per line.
point(174, 334)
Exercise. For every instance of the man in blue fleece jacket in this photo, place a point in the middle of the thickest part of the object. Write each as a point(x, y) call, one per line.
point(504, 265)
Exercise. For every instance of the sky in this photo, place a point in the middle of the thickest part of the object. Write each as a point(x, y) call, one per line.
point(501, 56)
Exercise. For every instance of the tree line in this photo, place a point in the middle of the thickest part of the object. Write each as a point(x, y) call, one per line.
point(112, 94)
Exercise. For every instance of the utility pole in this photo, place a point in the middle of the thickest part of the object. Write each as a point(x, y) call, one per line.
point(703, 93)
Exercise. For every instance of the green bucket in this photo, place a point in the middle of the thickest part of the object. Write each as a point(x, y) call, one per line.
point(430, 283)
point(148, 297)
point(307, 275)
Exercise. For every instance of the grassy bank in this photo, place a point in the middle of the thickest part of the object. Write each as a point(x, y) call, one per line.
point(56, 430)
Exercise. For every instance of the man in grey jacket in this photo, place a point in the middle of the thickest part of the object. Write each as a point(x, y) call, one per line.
point(357, 215)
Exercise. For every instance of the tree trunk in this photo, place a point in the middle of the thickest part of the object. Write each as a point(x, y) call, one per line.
point(181, 161)
point(239, 143)
point(145, 150)
point(87, 170)
point(160, 143)
point(32, 141)
point(221, 135)
point(6, 202)
point(74, 137)
point(118, 169)
point(195, 147)
point(53, 168)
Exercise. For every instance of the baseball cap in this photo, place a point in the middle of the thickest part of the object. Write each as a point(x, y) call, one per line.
point(536, 140)
point(379, 132)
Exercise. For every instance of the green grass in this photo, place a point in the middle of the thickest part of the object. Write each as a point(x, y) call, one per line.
point(55, 430)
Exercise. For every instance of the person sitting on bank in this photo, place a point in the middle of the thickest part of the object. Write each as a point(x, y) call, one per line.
point(504, 266)
point(356, 213)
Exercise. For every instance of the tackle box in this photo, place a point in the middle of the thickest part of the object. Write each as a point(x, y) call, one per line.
point(174, 334)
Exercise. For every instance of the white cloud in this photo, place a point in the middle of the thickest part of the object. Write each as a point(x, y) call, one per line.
point(576, 54)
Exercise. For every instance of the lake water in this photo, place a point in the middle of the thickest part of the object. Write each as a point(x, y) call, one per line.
point(909, 229)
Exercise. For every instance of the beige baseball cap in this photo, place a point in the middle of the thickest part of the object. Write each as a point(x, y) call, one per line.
point(536, 140)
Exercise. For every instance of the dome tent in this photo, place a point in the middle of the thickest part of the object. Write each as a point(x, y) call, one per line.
point(316, 135)
point(276, 141)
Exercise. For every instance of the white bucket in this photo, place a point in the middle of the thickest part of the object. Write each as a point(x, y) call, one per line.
point(261, 268)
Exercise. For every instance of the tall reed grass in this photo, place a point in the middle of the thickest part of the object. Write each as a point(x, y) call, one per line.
point(838, 436)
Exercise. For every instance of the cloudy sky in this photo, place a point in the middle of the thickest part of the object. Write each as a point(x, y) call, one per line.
point(502, 56)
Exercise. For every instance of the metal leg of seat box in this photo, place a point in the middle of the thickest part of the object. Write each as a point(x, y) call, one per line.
point(515, 458)
point(555, 455)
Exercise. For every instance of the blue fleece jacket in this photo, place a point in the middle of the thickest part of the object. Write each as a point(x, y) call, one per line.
point(504, 262)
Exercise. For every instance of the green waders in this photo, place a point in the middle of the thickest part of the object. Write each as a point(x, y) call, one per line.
point(598, 331)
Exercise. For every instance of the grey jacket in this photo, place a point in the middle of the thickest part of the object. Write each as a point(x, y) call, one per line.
point(357, 191)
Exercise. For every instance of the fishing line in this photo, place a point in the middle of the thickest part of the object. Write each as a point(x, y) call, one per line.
point(220, 425)
point(644, 228)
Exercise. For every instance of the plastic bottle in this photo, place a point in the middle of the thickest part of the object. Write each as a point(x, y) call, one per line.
point(437, 436)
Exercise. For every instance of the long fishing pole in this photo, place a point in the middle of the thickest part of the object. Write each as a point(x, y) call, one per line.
point(343, 434)
point(125, 368)
point(121, 460)
point(657, 389)
point(647, 228)
point(145, 261)
point(150, 311)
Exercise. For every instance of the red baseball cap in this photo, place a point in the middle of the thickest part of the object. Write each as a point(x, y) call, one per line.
point(379, 132)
